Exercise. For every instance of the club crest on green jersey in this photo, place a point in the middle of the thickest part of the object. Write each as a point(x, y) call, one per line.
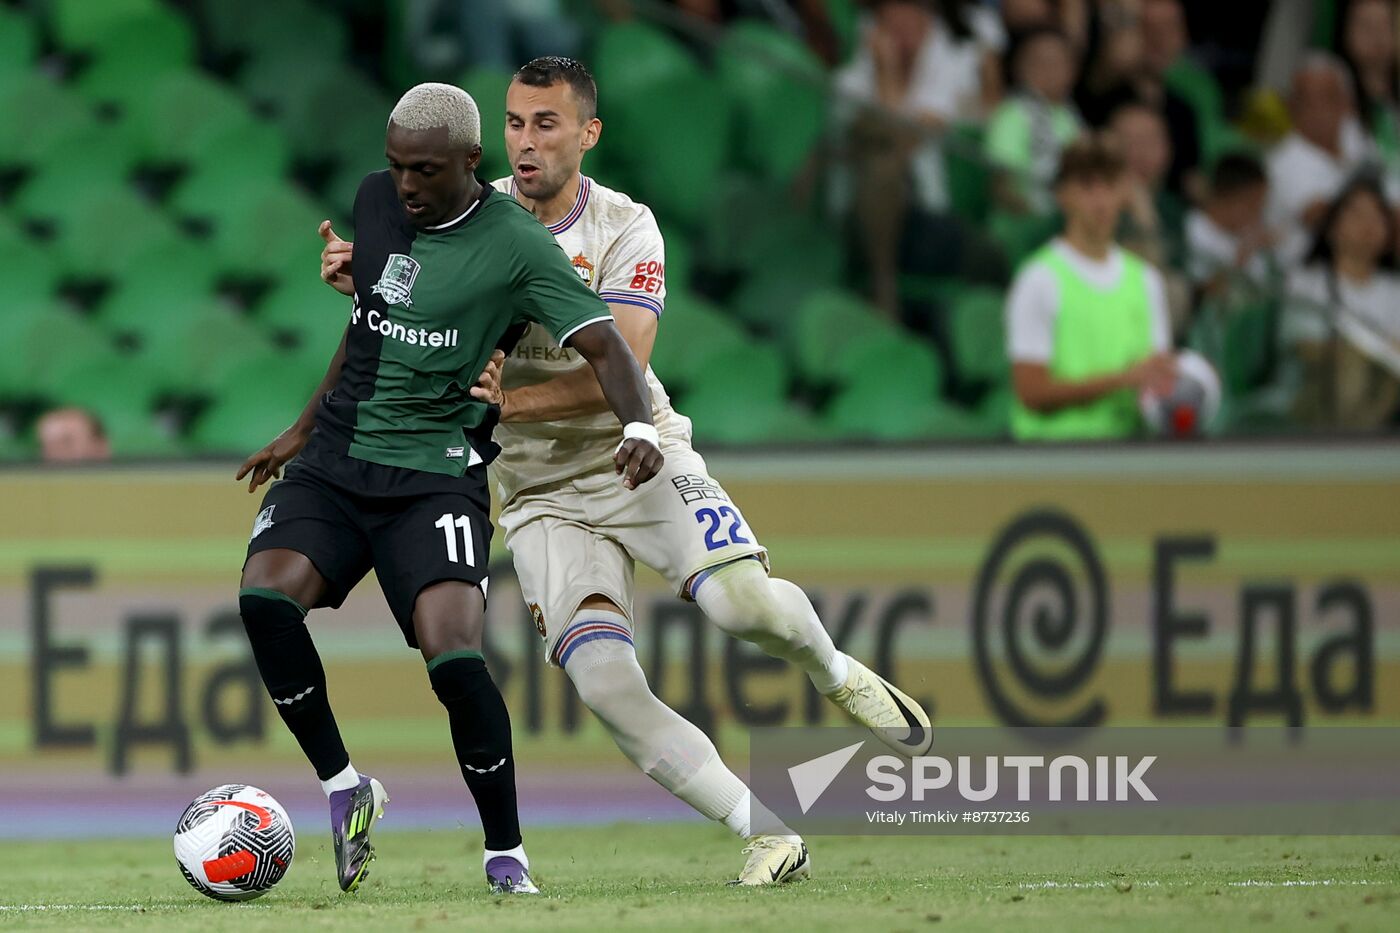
point(396, 281)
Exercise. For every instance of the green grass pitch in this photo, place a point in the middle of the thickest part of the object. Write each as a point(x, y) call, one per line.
point(670, 877)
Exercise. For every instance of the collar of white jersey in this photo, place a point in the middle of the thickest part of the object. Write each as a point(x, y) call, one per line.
point(585, 185)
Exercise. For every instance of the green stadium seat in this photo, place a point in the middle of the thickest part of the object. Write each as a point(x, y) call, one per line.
point(836, 335)
point(673, 138)
point(259, 399)
point(977, 334)
point(253, 147)
point(242, 30)
point(19, 45)
point(306, 309)
point(34, 115)
point(79, 25)
point(729, 414)
point(694, 338)
point(880, 407)
point(194, 355)
point(768, 301)
point(146, 310)
point(631, 57)
point(778, 86)
point(135, 433)
point(181, 113)
point(160, 38)
point(86, 237)
point(122, 82)
point(46, 347)
point(219, 189)
point(845, 19)
point(488, 88)
point(317, 128)
point(266, 228)
point(39, 270)
point(105, 383)
point(271, 78)
point(754, 366)
point(1250, 335)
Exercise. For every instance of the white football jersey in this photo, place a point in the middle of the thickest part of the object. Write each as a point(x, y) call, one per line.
point(616, 248)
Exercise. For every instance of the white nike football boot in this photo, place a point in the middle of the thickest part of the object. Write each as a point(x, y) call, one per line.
point(878, 705)
point(774, 860)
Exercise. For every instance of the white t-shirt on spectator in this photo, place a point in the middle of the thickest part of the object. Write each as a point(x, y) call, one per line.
point(1366, 314)
point(1034, 303)
point(1211, 249)
point(946, 82)
point(1301, 173)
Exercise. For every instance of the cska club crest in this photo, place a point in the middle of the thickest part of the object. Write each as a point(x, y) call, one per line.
point(396, 281)
point(584, 268)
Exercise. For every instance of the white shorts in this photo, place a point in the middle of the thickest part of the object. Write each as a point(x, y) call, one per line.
point(577, 538)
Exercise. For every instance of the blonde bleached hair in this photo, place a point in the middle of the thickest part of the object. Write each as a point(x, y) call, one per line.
point(429, 106)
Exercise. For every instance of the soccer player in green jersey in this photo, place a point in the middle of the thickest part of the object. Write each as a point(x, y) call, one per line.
point(390, 459)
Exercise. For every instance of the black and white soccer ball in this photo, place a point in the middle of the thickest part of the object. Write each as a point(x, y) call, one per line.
point(234, 843)
point(1194, 401)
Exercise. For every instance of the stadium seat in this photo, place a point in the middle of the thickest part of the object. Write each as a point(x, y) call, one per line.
point(269, 230)
point(728, 414)
point(694, 337)
point(269, 397)
point(768, 300)
point(241, 30)
point(78, 25)
point(673, 137)
point(306, 310)
point(34, 115)
point(19, 45)
point(778, 88)
point(977, 334)
point(86, 237)
point(836, 336)
point(47, 346)
point(42, 270)
point(753, 365)
point(196, 352)
point(161, 38)
point(144, 311)
point(181, 112)
point(319, 127)
point(880, 408)
point(631, 57)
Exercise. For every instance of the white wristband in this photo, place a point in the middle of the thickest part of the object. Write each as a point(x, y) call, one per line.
point(640, 430)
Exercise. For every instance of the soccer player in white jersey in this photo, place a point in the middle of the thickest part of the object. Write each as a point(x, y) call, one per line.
point(575, 531)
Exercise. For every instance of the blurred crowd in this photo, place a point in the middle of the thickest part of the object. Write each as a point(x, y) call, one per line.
point(1260, 153)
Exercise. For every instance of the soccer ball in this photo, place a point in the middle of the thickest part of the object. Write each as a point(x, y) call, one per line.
point(1193, 403)
point(234, 843)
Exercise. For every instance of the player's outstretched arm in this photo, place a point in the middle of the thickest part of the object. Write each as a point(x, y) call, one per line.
point(267, 463)
point(575, 393)
point(639, 456)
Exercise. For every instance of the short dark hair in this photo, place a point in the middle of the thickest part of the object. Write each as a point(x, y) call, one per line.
point(1094, 155)
point(552, 69)
point(1236, 172)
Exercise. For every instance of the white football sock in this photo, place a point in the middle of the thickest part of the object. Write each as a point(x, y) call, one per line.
point(775, 615)
point(518, 853)
point(348, 779)
point(670, 750)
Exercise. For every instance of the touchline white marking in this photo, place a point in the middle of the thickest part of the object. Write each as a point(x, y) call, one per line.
point(1301, 883)
point(134, 908)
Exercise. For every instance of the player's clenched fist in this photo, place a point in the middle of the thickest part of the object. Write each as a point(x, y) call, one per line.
point(335, 260)
point(637, 460)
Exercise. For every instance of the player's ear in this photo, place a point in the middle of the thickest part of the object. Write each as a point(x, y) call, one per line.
point(591, 133)
point(473, 158)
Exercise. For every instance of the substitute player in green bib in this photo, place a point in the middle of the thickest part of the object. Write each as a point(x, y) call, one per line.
point(1087, 323)
point(391, 454)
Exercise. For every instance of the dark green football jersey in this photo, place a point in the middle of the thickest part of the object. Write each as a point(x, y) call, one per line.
point(430, 306)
